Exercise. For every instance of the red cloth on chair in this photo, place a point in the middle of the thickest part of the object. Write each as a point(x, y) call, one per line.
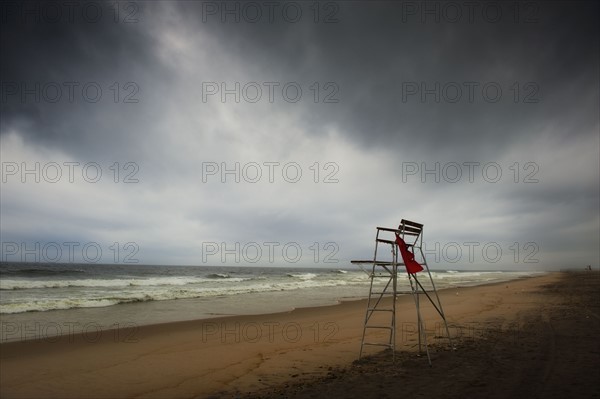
point(412, 266)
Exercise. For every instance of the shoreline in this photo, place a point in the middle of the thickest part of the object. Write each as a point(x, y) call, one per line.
point(46, 326)
point(256, 354)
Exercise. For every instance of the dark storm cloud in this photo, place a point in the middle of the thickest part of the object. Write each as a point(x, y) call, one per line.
point(544, 60)
point(377, 54)
point(51, 72)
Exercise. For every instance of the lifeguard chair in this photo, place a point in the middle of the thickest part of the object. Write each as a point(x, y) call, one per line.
point(407, 240)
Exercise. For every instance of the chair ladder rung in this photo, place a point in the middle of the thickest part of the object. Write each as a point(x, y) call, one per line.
point(385, 327)
point(380, 310)
point(377, 344)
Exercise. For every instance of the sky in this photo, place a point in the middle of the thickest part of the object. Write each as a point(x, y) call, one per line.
point(283, 133)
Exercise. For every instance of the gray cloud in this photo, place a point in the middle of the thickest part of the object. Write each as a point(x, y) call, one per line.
point(370, 57)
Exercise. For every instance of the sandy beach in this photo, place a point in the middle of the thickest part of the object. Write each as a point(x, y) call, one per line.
point(534, 337)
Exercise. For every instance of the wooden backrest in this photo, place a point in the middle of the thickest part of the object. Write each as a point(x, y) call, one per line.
point(410, 228)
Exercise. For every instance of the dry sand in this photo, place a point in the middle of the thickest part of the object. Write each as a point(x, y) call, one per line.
point(536, 337)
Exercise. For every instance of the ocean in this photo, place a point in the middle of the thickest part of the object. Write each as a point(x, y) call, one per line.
point(44, 300)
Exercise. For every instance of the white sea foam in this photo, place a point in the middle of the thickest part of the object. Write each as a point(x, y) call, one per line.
point(303, 276)
point(26, 294)
point(17, 284)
